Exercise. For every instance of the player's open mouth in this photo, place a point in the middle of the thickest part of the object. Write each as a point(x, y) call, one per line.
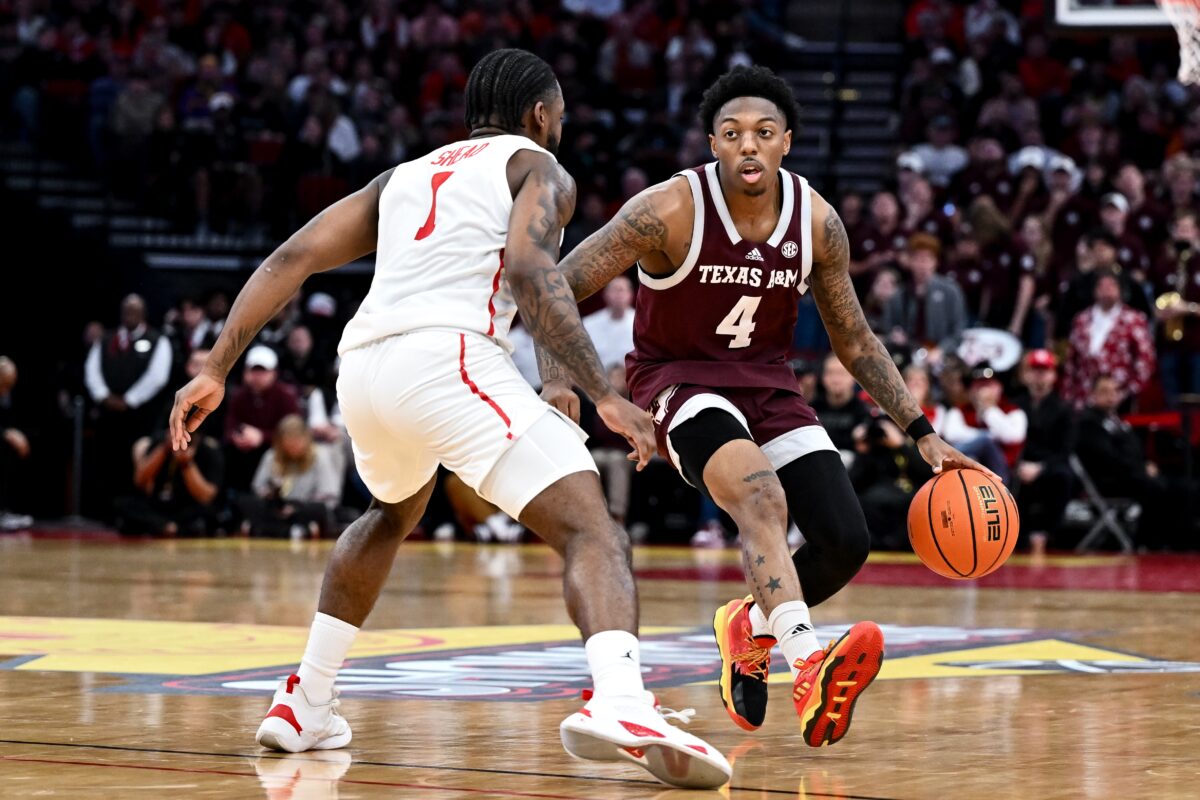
point(751, 173)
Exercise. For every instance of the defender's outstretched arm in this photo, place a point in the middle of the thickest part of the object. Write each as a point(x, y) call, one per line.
point(346, 230)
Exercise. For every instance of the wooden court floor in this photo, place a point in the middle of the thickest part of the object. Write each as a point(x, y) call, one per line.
point(141, 669)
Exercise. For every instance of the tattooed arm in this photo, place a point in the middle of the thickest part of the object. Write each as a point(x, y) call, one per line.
point(856, 345)
point(346, 230)
point(541, 207)
point(654, 227)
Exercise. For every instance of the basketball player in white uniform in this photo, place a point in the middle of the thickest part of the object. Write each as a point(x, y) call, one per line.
point(464, 237)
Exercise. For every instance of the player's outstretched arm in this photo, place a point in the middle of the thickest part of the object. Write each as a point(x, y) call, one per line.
point(541, 208)
point(346, 230)
point(856, 345)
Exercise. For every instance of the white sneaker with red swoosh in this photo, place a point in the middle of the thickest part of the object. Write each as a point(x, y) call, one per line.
point(636, 730)
point(294, 724)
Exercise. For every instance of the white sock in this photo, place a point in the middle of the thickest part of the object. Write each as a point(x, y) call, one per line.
point(329, 641)
point(793, 628)
point(616, 664)
point(758, 621)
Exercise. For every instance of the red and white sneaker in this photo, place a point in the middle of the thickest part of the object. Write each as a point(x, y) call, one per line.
point(636, 730)
point(294, 724)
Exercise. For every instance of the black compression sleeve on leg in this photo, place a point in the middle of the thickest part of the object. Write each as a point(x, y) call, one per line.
point(822, 503)
point(695, 441)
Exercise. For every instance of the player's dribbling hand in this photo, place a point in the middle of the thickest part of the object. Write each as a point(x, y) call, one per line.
point(636, 425)
point(193, 403)
point(560, 395)
point(941, 456)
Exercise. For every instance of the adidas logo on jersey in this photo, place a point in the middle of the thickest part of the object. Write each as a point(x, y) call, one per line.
point(754, 255)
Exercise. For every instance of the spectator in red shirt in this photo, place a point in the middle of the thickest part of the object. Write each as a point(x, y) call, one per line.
point(255, 409)
point(1042, 75)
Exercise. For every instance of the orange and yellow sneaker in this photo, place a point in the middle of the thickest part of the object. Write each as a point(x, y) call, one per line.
point(745, 663)
point(831, 680)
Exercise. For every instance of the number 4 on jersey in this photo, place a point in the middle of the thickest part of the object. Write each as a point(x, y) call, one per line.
point(739, 322)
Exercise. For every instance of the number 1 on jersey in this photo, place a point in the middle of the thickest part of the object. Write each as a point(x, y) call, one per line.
point(431, 221)
point(739, 322)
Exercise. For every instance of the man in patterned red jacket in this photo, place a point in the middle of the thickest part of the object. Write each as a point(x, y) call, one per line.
point(1108, 338)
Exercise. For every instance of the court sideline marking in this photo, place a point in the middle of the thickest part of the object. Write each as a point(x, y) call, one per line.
point(389, 764)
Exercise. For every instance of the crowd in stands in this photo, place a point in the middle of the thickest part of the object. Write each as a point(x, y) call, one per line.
point(241, 116)
point(1044, 189)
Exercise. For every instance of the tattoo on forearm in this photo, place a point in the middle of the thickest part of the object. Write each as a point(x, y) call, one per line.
point(757, 476)
point(853, 341)
point(774, 584)
point(544, 297)
point(878, 375)
point(548, 368)
point(635, 231)
point(758, 562)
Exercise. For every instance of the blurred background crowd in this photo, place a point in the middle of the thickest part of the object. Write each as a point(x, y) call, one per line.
point(1031, 258)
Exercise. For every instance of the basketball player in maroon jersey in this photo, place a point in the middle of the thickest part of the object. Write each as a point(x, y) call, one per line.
point(724, 251)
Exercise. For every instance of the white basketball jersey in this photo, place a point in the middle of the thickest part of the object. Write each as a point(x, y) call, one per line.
point(443, 223)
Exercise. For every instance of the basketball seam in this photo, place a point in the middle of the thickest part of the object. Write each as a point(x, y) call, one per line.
point(933, 534)
point(1007, 523)
point(971, 518)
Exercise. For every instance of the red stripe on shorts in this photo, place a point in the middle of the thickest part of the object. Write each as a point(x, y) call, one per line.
point(492, 299)
point(462, 370)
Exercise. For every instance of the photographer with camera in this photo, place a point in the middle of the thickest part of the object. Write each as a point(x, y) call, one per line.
point(886, 473)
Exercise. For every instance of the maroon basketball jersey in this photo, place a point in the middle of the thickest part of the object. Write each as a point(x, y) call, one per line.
point(725, 318)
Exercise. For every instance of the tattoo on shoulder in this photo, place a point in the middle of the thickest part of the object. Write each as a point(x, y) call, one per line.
point(837, 243)
point(556, 200)
point(757, 476)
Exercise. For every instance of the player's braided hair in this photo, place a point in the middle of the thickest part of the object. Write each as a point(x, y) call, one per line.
point(504, 85)
point(752, 81)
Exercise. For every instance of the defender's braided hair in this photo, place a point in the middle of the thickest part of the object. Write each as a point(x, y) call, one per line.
point(504, 85)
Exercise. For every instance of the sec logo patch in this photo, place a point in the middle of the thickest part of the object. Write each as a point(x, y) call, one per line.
point(789, 249)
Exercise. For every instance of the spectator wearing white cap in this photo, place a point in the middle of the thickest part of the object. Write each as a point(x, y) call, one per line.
point(1027, 166)
point(255, 409)
point(1147, 218)
point(941, 159)
point(1131, 249)
point(1068, 213)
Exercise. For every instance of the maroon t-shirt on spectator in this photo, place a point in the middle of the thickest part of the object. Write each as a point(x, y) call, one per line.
point(262, 411)
point(979, 180)
point(1077, 216)
point(968, 274)
point(1004, 265)
point(1149, 221)
point(1131, 253)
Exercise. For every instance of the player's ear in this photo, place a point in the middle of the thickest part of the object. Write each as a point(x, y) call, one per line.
point(712, 144)
point(541, 116)
point(787, 141)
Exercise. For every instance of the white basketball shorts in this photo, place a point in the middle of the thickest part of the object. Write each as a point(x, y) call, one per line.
point(426, 397)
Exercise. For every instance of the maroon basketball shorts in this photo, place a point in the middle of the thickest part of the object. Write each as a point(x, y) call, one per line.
point(781, 423)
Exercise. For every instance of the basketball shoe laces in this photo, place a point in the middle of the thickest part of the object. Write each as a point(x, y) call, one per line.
point(753, 660)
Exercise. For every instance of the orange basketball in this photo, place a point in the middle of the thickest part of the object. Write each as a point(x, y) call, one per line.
point(963, 524)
